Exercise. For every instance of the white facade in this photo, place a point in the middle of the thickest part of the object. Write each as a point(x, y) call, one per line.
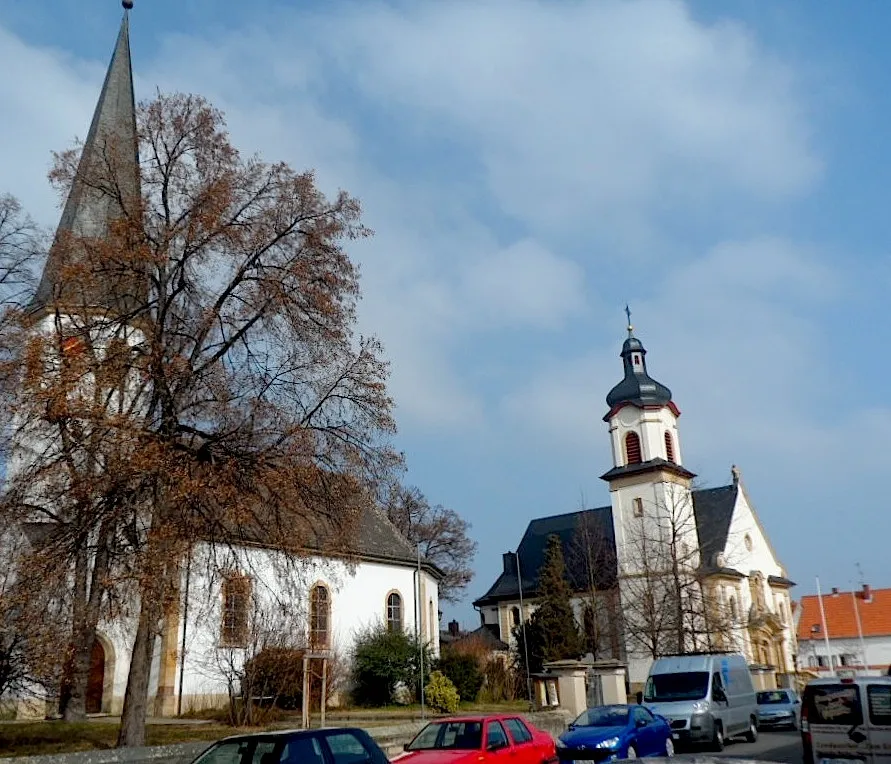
point(749, 551)
point(201, 666)
point(846, 654)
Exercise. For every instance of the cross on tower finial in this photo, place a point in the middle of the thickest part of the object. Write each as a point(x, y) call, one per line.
point(628, 313)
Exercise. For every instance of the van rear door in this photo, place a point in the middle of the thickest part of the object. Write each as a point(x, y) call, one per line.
point(836, 726)
point(878, 702)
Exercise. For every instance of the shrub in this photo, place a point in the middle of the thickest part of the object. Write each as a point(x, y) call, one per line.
point(501, 682)
point(464, 672)
point(441, 694)
point(274, 676)
point(382, 661)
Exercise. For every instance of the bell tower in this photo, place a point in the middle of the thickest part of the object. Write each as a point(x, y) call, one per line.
point(648, 482)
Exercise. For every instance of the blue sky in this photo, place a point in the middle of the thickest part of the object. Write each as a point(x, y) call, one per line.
point(529, 167)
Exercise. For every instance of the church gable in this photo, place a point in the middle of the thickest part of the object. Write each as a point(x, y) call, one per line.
point(747, 546)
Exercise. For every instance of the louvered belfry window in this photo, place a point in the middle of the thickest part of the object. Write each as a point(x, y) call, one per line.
point(669, 447)
point(632, 448)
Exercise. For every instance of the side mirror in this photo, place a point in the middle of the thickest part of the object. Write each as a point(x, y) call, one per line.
point(571, 726)
point(405, 746)
point(496, 745)
point(719, 696)
point(639, 698)
point(641, 723)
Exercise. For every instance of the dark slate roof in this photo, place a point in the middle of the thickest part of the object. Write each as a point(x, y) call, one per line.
point(378, 538)
point(638, 387)
point(713, 509)
point(652, 464)
point(599, 523)
point(88, 212)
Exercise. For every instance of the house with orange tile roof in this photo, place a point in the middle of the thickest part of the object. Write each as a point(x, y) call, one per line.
point(855, 634)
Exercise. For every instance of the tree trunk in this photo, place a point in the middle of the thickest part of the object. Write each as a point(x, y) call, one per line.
point(75, 708)
point(87, 609)
point(132, 732)
point(72, 694)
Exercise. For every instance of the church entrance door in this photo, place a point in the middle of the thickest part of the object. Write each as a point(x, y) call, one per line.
point(96, 682)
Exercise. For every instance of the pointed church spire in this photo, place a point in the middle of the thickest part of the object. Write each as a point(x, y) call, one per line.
point(104, 187)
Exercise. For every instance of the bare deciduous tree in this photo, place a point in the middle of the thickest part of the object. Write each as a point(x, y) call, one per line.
point(668, 607)
point(441, 533)
point(200, 380)
point(593, 556)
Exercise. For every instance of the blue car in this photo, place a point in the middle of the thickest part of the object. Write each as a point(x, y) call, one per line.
point(605, 733)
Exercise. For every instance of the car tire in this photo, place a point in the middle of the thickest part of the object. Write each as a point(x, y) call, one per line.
point(718, 738)
point(752, 733)
point(669, 748)
point(631, 753)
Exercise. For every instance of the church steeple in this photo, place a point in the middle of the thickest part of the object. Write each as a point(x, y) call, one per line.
point(105, 189)
point(638, 387)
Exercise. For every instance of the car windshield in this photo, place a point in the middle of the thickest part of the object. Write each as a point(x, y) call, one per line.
point(608, 716)
point(772, 697)
point(685, 685)
point(462, 736)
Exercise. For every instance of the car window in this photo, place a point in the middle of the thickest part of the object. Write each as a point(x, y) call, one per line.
point(518, 731)
point(834, 704)
point(773, 697)
point(495, 735)
point(465, 736)
point(302, 750)
point(879, 698)
point(249, 751)
point(346, 748)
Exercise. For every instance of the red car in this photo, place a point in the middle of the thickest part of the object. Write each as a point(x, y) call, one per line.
point(489, 739)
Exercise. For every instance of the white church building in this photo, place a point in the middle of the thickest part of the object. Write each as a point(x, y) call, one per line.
point(731, 553)
point(325, 601)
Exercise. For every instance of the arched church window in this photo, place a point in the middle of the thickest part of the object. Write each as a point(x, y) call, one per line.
point(319, 616)
point(236, 606)
point(734, 613)
point(632, 448)
point(394, 612)
point(669, 447)
point(515, 616)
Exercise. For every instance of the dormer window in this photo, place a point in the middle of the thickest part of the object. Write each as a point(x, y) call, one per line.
point(632, 449)
point(636, 359)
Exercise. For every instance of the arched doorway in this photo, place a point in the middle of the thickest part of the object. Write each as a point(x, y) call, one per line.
point(96, 682)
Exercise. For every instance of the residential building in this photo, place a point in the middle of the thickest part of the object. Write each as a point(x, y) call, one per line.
point(855, 634)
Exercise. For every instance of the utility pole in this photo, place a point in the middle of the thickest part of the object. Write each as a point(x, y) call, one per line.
point(825, 629)
point(523, 631)
point(421, 637)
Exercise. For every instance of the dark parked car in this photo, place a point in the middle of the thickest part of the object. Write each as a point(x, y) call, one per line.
point(345, 745)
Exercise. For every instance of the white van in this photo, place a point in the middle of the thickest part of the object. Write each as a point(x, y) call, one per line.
point(706, 698)
point(847, 721)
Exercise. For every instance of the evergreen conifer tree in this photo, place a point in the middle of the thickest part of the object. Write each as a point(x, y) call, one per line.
point(556, 631)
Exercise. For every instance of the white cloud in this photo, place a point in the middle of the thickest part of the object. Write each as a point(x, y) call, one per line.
point(524, 284)
point(586, 119)
point(576, 109)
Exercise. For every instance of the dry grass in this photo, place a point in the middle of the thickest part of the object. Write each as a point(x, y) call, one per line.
point(36, 738)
